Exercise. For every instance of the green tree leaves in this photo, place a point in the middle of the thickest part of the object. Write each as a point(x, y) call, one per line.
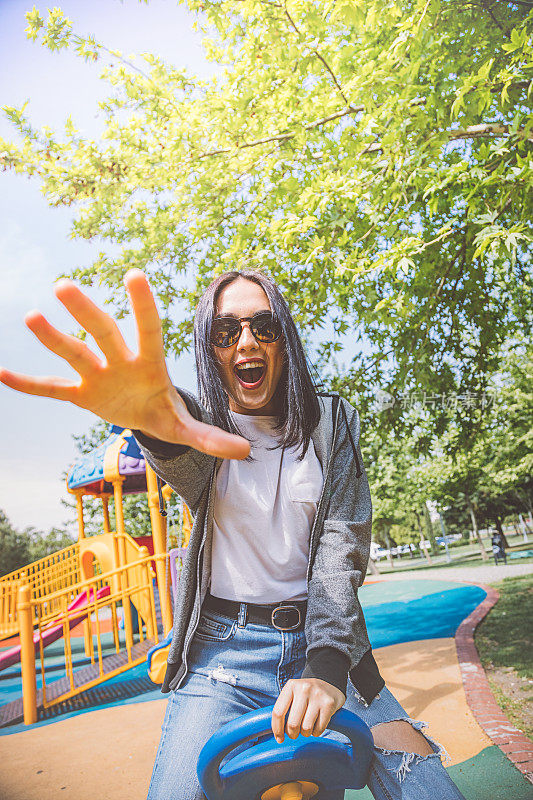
point(19, 548)
point(374, 157)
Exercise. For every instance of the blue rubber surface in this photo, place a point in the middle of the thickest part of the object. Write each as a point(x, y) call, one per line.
point(405, 611)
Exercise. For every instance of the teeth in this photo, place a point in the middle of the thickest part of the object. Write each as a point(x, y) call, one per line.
point(250, 365)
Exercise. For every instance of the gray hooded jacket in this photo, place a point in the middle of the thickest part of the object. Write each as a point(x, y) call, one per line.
point(335, 630)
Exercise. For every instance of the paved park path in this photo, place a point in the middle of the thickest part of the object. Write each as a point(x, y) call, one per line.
point(489, 573)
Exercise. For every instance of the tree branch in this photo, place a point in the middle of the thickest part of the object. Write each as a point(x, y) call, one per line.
point(488, 129)
point(279, 137)
point(462, 253)
point(321, 58)
point(472, 132)
point(486, 7)
point(419, 340)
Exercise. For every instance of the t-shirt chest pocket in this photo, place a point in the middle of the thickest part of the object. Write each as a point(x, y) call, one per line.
point(304, 479)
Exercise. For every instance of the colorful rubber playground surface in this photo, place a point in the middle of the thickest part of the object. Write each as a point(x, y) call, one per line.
point(104, 745)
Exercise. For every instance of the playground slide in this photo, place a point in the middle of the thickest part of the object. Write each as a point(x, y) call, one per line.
point(12, 655)
point(156, 659)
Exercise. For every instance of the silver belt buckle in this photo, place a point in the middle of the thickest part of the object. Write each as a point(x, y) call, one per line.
point(286, 608)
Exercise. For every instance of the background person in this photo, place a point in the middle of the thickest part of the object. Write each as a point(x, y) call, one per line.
point(498, 548)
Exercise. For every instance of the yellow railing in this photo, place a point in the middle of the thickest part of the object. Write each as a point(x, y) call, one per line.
point(50, 574)
point(126, 585)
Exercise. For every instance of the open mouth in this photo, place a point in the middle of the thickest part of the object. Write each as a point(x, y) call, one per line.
point(251, 374)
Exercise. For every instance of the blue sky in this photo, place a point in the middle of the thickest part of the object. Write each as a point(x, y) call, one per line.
point(35, 247)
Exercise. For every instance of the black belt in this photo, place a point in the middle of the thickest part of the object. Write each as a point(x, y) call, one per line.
point(287, 615)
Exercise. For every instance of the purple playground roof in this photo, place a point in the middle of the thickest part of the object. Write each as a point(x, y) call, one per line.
point(88, 470)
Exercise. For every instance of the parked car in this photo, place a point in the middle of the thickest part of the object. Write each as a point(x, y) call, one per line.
point(377, 552)
point(440, 539)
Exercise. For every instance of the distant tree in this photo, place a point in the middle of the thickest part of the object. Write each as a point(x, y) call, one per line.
point(89, 440)
point(15, 546)
point(456, 519)
point(20, 548)
point(457, 481)
point(509, 439)
point(44, 544)
point(398, 494)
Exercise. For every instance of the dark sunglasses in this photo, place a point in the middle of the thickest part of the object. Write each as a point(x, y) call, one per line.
point(226, 331)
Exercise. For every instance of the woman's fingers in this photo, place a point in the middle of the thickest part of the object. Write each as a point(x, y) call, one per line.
point(149, 335)
point(52, 386)
point(131, 390)
point(281, 706)
point(214, 441)
point(73, 350)
point(100, 325)
point(309, 722)
point(322, 722)
point(297, 713)
point(310, 710)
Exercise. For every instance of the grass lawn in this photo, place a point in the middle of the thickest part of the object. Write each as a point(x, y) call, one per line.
point(505, 645)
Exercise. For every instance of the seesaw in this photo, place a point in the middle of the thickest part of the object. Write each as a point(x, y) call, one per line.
point(296, 769)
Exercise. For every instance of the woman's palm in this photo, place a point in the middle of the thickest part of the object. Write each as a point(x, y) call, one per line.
point(128, 389)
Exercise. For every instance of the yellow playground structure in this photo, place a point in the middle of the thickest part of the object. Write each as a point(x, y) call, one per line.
point(116, 590)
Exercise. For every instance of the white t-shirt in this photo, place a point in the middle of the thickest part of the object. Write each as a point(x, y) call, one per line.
point(263, 513)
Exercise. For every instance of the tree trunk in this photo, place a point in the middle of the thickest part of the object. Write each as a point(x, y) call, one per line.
point(484, 556)
point(529, 507)
point(387, 539)
point(430, 532)
point(444, 534)
point(422, 546)
point(373, 567)
point(530, 517)
point(526, 502)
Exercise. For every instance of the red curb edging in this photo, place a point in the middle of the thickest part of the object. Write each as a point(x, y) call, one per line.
point(512, 742)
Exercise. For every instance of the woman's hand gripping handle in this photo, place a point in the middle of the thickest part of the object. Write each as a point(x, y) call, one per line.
point(311, 703)
point(132, 390)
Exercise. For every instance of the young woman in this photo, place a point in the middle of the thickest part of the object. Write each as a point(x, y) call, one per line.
point(267, 610)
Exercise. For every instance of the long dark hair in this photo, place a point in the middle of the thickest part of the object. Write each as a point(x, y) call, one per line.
point(296, 391)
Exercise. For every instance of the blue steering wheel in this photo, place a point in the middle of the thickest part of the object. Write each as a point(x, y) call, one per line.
point(311, 765)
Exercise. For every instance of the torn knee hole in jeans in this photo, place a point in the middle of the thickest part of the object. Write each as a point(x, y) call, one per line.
point(220, 674)
point(408, 759)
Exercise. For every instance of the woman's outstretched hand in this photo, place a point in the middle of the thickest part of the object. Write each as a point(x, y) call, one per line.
point(132, 390)
point(312, 703)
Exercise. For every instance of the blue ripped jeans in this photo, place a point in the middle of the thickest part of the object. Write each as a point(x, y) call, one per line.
point(233, 670)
